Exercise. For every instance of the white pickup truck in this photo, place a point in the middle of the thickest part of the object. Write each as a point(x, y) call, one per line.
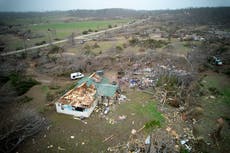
point(76, 75)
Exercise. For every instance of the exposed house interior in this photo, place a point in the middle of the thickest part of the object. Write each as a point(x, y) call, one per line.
point(83, 98)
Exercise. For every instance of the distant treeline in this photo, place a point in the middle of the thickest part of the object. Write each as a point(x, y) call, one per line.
point(190, 15)
point(216, 15)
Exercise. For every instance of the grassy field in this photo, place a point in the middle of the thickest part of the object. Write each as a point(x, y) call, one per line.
point(15, 43)
point(65, 29)
point(220, 84)
point(62, 31)
point(12, 42)
point(104, 45)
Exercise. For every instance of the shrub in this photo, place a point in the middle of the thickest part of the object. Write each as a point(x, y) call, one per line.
point(56, 39)
point(110, 26)
point(87, 47)
point(40, 43)
point(24, 99)
point(85, 32)
point(50, 96)
point(90, 30)
point(54, 49)
point(19, 48)
point(152, 43)
point(183, 150)
point(214, 91)
point(119, 48)
point(124, 45)
point(149, 43)
point(227, 72)
point(133, 41)
point(23, 55)
point(89, 52)
point(152, 124)
point(96, 45)
point(22, 83)
point(141, 50)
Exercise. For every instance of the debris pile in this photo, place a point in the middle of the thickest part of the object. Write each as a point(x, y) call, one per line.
point(161, 141)
point(144, 78)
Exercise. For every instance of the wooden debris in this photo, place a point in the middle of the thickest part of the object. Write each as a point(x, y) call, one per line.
point(106, 139)
point(50, 104)
point(139, 130)
point(77, 118)
point(60, 148)
point(115, 147)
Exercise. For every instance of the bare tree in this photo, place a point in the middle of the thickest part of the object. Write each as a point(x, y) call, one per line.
point(72, 39)
point(22, 125)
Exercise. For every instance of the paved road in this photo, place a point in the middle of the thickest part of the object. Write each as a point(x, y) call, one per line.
point(65, 40)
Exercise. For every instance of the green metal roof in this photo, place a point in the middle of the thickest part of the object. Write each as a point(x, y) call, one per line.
point(106, 89)
point(103, 88)
point(83, 80)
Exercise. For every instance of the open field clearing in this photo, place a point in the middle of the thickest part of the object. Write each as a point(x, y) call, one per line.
point(38, 34)
point(65, 29)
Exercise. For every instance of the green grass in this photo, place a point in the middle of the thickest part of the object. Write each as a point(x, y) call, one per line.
point(45, 88)
point(104, 45)
point(180, 47)
point(15, 43)
point(145, 112)
point(11, 41)
point(65, 29)
point(152, 124)
point(221, 84)
point(183, 150)
point(149, 110)
point(142, 106)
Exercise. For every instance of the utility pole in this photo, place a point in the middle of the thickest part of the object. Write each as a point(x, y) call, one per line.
point(49, 36)
point(72, 39)
point(24, 41)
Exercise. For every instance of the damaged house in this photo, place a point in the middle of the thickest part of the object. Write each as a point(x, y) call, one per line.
point(83, 98)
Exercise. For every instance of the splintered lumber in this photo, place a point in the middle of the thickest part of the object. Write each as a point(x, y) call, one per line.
point(117, 146)
point(141, 128)
point(106, 139)
point(148, 92)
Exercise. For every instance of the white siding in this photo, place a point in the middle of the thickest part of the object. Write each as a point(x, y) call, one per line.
point(67, 110)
